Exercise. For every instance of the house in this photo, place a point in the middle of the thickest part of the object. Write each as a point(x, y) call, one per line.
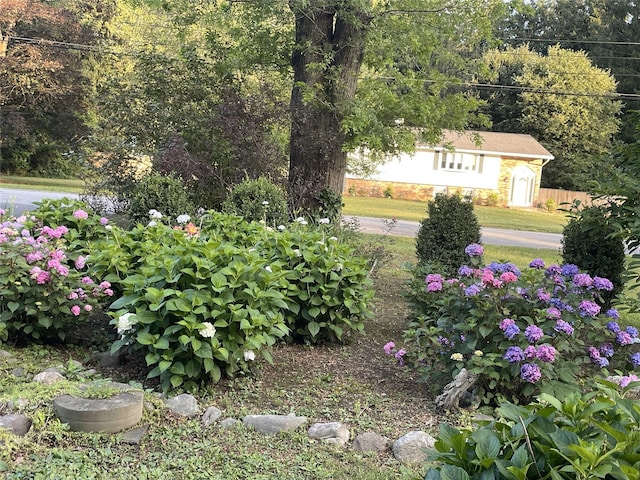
point(495, 168)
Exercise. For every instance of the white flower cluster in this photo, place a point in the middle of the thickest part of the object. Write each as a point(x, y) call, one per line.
point(301, 221)
point(249, 355)
point(208, 331)
point(155, 214)
point(126, 322)
point(182, 219)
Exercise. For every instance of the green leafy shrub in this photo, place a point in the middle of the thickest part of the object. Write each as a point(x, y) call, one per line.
point(252, 283)
point(451, 225)
point(162, 193)
point(519, 332)
point(590, 241)
point(199, 308)
point(581, 436)
point(43, 290)
point(258, 200)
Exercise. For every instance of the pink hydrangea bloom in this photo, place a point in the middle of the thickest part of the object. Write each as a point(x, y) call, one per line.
point(80, 214)
point(75, 310)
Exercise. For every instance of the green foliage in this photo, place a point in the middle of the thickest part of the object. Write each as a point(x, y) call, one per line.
point(251, 283)
point(590, 241)
point(43, 290)
point(258, 200)
point(164, 193)
point(520, 332)
point(451, 225)
point(577, 146)
point(199, 308)
point(579, 436)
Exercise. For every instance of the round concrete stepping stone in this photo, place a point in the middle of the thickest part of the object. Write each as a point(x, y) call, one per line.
point(110, 415)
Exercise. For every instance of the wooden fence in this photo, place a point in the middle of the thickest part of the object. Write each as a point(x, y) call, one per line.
point(562, 196)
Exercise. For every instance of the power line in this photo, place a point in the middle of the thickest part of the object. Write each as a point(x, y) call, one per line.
point(602, 42)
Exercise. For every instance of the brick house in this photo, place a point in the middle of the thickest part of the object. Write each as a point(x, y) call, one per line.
point(503, 169)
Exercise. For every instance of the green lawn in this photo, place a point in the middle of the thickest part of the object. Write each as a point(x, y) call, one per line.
point(36, 183)
point(497, 217)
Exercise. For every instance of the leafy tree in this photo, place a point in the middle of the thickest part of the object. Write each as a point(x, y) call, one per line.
point(607, 30)
point(44, 92)
point(562, 100)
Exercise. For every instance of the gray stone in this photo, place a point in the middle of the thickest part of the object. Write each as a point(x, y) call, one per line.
point(332, 432)
point(16, 423)
point(271, 424)
point(413, 447)
point(371, 442)
point(106, 359)
point(210, 415)
point(48, 378)
point(18, 372)
point(134, 436)
point(229, 422)
point(7, 356)
point(58, 369)
point(184, 405)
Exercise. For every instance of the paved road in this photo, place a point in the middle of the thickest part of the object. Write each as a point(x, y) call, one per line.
point(17, 201)
point(490, 236)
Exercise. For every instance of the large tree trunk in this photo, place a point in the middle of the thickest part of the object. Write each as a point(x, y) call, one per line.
point(330, 39)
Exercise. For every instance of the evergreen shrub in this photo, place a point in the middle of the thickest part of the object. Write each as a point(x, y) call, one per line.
point(165, 193)
point(451, 225)
point(258, 200)
point(589, 241)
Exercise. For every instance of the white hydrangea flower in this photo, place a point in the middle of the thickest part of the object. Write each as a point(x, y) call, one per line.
point(153, 213)
point(249, 355)
point(152, 223)
point(301, 221)
point(265, 203)
point(324, 221)
point(108, 227)
point(268, 269)
point(333, 239)
point(297, 252)
point(182, 219)
point(126, 322)
point(208, 331)
point(282, 228)
point(457, 357)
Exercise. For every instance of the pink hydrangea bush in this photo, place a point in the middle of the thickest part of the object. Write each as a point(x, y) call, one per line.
point(44, 286)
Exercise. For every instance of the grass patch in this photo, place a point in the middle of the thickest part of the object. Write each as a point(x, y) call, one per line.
point(36, 183)
point(495, 217)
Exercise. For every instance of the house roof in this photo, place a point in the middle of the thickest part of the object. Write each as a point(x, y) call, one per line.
point(511, 144)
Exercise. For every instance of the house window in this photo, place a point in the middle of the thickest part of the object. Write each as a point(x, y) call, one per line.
point(458, 162)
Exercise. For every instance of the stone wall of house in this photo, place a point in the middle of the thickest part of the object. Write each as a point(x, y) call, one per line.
point(507, 166)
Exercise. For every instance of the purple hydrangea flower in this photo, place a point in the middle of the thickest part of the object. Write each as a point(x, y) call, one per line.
point(564, 327)
point(511, 331)
point(399, 354)
point(613, 327)
point(553, 270)
point(465, 271)
point(583, 280)
point(602, 362)
point(537, 263)
point(626, 380)
point(606, 350)
point(434, 287)
point(633, 331)
point(530, 352)
point(389, 347)
point(472, 290)
point(601, 283)
point(514, 355)
point(613, 313)
point(530, 372)
point(434, 277)
point(506, 322)
point(588, 308)
point(543, 296)
point(553, 313)
point(533, 333)
point(635, 359)
point(474, 250)
point(623, 338)
point(569, 270)
point(546, 353)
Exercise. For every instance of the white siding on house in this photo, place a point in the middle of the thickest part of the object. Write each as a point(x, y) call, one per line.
point(419, 169)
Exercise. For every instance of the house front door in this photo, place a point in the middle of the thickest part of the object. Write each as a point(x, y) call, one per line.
point(523, 182)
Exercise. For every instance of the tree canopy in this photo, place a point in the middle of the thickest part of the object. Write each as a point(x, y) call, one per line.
point(563, 101)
